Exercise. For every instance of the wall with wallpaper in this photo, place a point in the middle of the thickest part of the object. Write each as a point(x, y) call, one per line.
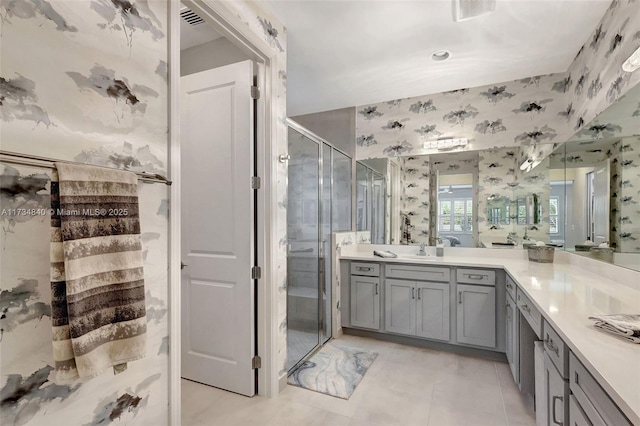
point(534, 112)
point(627, 188)
point(101, 99)
point(529, 118)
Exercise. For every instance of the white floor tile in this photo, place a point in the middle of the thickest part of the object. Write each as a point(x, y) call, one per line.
point(405, 386)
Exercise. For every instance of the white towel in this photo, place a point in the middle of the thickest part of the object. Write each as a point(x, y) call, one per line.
point(626, 326)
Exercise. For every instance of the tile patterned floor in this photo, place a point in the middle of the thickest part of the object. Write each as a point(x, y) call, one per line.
point(299, 344)
point(404, 386)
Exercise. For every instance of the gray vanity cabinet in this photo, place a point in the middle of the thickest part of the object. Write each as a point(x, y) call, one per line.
point(557, 390)
point(417, 300)
point(432, 310)
point(365, 296)
point(476, 315)
point(400, 306)
point(512, 339)
point(417, 308)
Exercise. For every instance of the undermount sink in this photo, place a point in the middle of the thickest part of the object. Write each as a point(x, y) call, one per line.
point(416, 257)
point(502, 243)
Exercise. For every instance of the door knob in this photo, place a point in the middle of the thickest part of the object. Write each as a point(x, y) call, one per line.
point(183, 265)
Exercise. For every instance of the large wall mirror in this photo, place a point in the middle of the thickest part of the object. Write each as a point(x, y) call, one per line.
point(600, 170)
point(586, 192)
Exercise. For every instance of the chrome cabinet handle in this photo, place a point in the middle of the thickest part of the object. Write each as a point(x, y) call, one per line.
point(548, 343)
point(475, 276)
point(360, 268)
point(460, 297)
point(553, 409)
point(509, 286)
point(183, 265)
point(413, 292)
point(376, 288)
point(418, 293)
point(525, 307)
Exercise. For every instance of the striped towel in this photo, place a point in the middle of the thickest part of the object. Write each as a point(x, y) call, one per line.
point(97, 280)
point(626, 326)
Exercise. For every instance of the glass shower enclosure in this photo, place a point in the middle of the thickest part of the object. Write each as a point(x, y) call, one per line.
point(318, 203)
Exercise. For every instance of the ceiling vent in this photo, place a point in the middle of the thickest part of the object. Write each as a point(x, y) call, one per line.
point(191, 17)
point(468, 9)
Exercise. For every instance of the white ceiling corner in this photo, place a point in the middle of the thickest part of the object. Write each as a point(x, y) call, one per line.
point(346, 53)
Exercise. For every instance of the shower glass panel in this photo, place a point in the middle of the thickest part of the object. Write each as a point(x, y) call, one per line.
point(325, 245)
point(318, 204)
point(303, 249)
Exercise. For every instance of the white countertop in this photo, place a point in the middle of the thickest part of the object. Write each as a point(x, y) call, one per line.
point(566, 292)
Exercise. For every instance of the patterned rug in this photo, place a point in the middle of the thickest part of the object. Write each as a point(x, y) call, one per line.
point(334, 370)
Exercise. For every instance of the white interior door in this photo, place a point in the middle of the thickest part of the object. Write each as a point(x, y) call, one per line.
point(218, 214)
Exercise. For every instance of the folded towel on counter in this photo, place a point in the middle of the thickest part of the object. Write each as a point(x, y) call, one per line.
point(97, 279)
point(626, 326)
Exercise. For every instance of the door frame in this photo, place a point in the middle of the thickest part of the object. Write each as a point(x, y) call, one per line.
point(223, 20)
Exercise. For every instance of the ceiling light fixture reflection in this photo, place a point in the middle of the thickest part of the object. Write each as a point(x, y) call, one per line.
point(633, 62)
point(446, 144)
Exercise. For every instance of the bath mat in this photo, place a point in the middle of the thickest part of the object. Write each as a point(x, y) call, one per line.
point(334, 370)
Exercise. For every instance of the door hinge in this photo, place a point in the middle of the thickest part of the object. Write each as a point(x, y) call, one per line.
point(255, 92)
point(256, 273)
point(255, 182)
point(256, 362)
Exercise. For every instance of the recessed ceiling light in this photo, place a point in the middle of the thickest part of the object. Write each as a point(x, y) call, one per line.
point(440, 55)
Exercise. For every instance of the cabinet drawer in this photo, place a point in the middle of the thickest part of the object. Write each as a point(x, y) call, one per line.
point(419, 273)
point(529, 312)
point(476, 276)
point(592, 398)
point(510, 285)
point(368, 269)
point(556, 349)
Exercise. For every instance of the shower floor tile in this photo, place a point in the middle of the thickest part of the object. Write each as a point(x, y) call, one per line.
point(299, 343)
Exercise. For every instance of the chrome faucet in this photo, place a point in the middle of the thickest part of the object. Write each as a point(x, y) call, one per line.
point(511, 238)
point(422, 251)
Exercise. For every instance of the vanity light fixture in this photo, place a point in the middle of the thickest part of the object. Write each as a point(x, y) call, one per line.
point(440, 55)
point(529, 164)
point(633, 62)
point(446, 144)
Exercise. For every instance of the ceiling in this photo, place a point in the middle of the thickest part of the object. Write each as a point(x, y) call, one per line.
point(346, 53)
point(193, 35)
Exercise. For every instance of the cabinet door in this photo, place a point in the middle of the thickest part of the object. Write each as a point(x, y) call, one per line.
point(557, 394)
point(400, 306)
point(432, 304)
point(577, 417)
point(365, 302)
point(512, 349)
point(476, 313)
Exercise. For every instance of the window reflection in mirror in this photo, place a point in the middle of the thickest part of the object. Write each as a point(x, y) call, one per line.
point(455, 210)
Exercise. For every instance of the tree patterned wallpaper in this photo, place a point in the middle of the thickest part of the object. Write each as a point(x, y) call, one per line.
point(86, 81)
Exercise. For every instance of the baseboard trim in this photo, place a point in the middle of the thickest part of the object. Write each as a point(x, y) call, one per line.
point(282, 383)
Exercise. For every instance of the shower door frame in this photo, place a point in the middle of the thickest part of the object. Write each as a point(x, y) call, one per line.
point(324, 323)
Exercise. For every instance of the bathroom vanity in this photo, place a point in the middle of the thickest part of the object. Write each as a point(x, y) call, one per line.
point(495, 304)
